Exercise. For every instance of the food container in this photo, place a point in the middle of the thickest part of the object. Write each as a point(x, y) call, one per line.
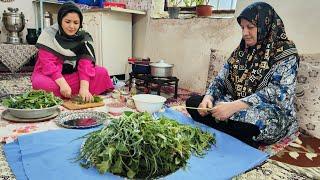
point(148, 102)
point(47, 19)
point(115, 108)
point(99, 3)
point(161, 69)
point(141, 68)
point(115, 4)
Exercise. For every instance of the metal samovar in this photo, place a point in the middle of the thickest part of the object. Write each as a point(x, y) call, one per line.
point(14, 23)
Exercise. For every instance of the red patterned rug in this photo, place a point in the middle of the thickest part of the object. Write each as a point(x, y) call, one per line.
point(303, 152)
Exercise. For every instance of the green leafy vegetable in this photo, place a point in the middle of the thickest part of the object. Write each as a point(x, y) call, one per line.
point(78, 99)
point(137, 146)
point(36, 99)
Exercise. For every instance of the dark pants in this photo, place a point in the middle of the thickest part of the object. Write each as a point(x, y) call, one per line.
point(240, 130)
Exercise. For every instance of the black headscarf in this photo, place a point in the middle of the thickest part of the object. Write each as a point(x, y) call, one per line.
point(78, 43)
point(69, 48)
point(250, 67)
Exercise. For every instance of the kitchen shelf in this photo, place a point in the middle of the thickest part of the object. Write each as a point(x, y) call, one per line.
point(48, 1)
point(116, 9)
point(39, 13)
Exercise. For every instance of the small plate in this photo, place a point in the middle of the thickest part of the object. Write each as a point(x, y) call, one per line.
point(81, 119)
point(7, 116)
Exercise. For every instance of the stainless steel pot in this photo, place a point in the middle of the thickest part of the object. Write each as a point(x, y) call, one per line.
point(161, 69)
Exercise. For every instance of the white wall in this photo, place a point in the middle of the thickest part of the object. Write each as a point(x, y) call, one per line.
point(301, 20)
point(186, 42)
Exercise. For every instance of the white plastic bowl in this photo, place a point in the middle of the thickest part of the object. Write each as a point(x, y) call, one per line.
point(148, 102)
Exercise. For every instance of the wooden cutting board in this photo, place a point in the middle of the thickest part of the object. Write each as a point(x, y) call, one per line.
point(74, 106)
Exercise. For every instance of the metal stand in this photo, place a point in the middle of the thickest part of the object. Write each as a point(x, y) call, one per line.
point(148, 80)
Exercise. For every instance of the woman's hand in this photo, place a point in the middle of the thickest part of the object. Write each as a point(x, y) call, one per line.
point(205, 103)
point(84, 92)
point(85, 95)
point(65, 89)
point(224, 110)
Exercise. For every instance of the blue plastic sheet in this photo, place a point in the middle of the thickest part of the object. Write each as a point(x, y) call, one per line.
point(50, 155)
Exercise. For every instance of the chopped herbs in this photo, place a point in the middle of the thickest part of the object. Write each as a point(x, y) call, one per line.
point(78, 99)
point(36, 99)
point(137, 146)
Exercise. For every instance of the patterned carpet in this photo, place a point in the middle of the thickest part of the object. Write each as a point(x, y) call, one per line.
point(14, 83)
point(298, 159)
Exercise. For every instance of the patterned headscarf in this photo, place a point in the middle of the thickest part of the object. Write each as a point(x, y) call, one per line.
point(69, 48)
point(250, 68)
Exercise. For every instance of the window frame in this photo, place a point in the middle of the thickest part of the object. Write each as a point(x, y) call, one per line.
point(192, 10)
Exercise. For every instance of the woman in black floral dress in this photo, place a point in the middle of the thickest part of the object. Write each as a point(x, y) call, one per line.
point(255, 89)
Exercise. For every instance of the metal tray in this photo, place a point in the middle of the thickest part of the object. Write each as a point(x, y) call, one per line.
point(6, 115)
point(81, 119)
point(33, 113)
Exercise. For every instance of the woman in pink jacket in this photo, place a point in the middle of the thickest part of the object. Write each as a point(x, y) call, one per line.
point(66, 59)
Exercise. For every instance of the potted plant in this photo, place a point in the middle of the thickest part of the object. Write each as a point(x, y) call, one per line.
point(173, 8)
point(188, 3)
point(203, 9)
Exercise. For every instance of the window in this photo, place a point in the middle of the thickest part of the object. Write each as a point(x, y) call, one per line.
point(223, 4)
point(219, 6)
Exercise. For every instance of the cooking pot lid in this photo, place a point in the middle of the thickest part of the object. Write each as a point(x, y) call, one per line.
point(12, 12)
point(161, 63)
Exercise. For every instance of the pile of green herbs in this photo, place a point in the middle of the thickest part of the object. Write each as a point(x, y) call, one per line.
point(137, 146)
point(35, 99)
point(79, 100)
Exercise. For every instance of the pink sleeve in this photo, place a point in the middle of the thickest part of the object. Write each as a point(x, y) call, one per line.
point(51, 64)
point(86, 69)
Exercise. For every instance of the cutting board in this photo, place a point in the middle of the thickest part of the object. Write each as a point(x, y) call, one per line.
point(74, 106)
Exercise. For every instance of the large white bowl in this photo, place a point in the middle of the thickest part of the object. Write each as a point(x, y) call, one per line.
point(148, 102)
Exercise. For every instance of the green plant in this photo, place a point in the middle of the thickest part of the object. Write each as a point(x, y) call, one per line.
point(139, 147)
point(202, 2)
point(189, 3)
point(35, 99)
point(174, 3)
point(79, 100)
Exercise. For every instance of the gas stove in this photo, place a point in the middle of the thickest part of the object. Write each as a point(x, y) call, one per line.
point(149, 82)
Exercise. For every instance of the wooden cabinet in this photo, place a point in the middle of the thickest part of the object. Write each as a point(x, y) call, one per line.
point(111, 29)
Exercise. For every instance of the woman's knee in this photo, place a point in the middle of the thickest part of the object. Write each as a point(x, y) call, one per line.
point(46, 84)
point(101, 71)
point(194, 101)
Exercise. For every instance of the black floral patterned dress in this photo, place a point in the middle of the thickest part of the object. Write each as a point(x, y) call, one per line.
point(272, 107)
point(263, 76)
